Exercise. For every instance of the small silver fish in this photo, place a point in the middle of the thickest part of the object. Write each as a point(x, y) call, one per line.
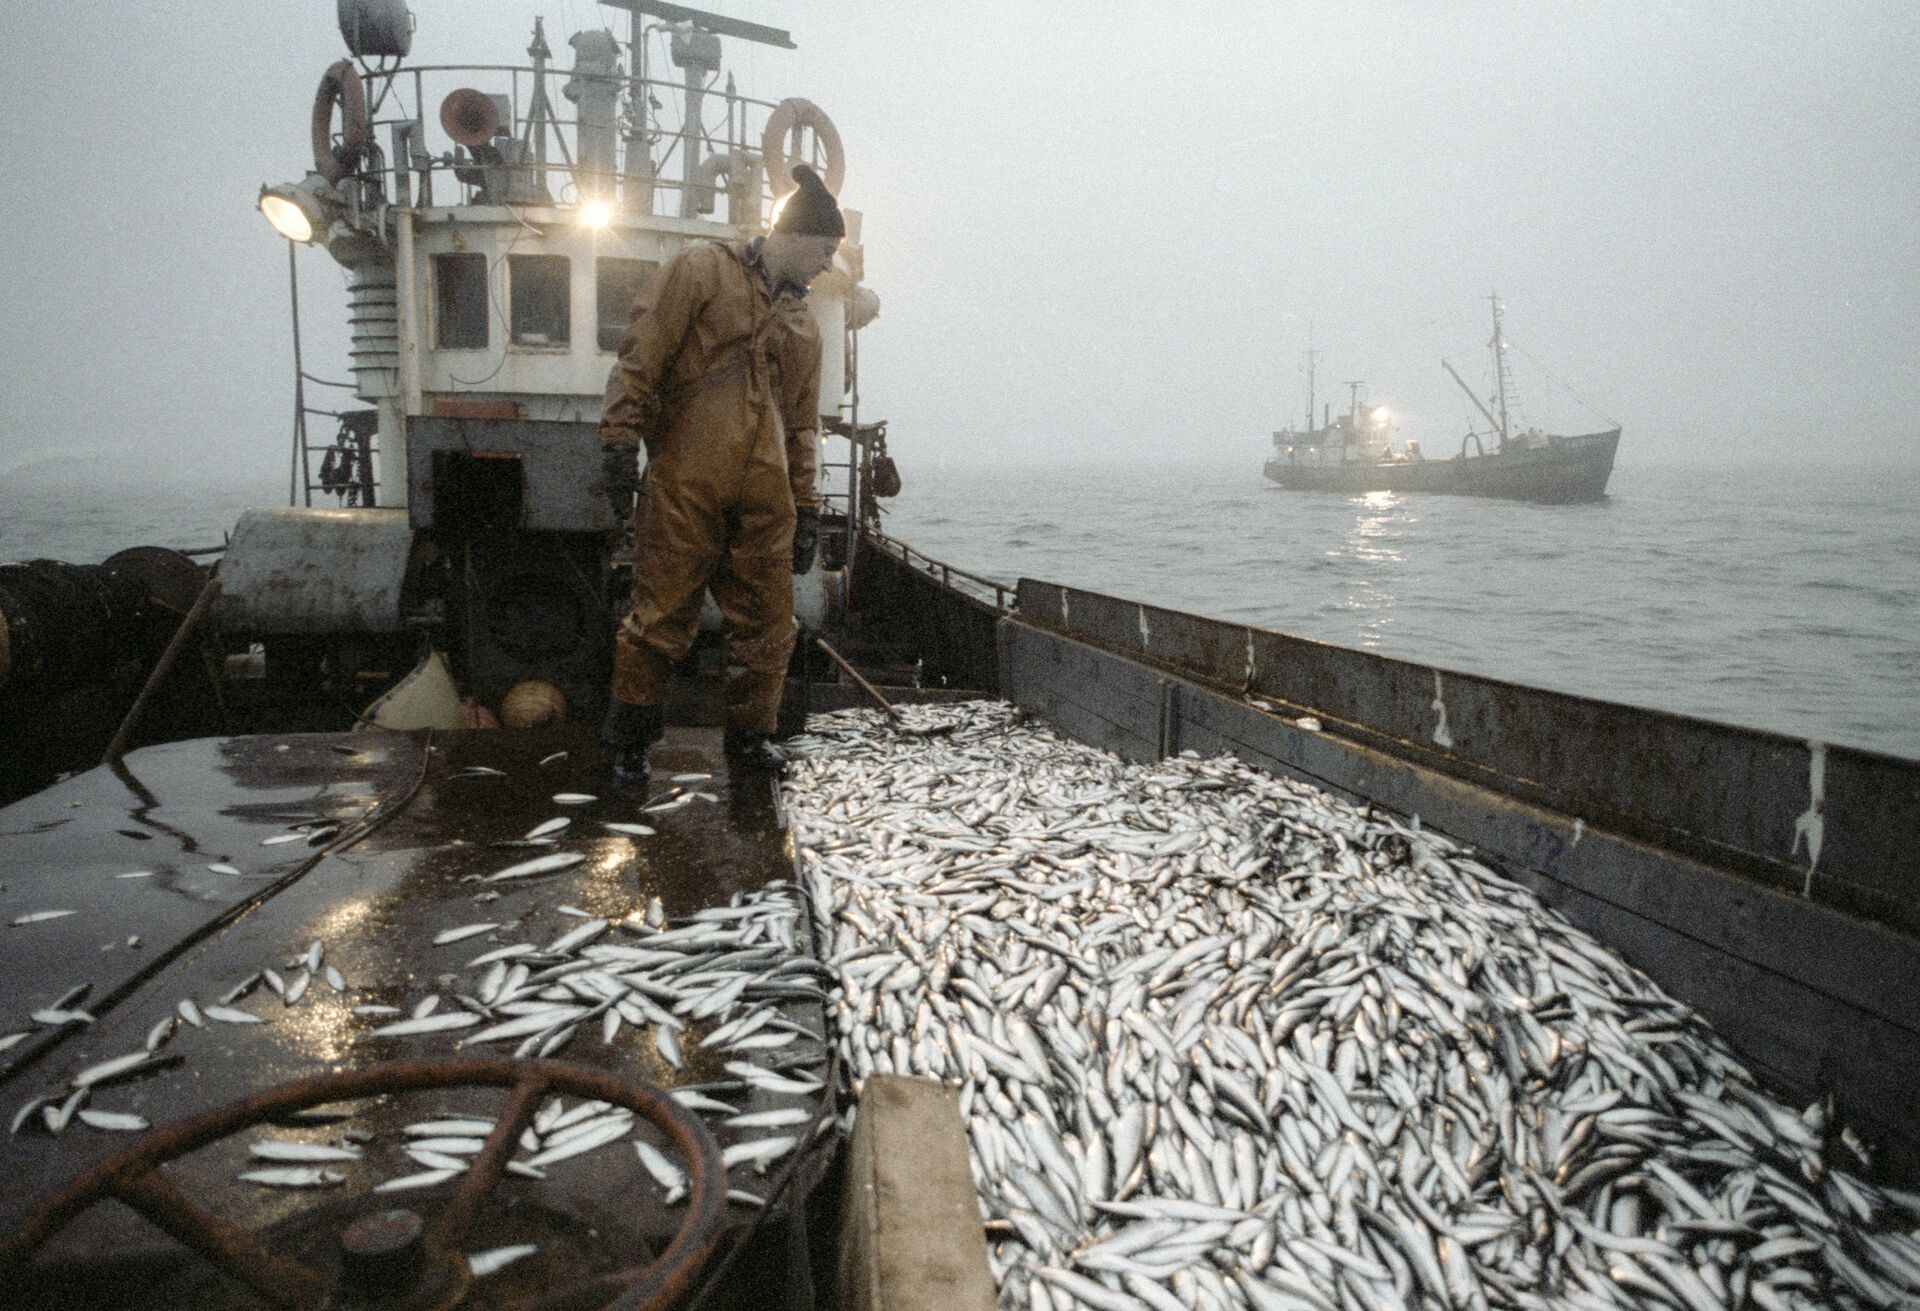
point(779, 1119)
point(573, 798)
point(538, 865)
point(582, 1143)
point(456, 1128)
point(630, 830)
point(456, 1145)
point(136, 874)
point(758, 1152)
point(425, 1024)
point(665, 1173)
point(114, 1121)
point(425, 1179)
point(273, 1149)
point(161, 1032)
point(448, 936)
point(482, 1264)
point(232, 1015)
point(221, 867)
point(668, 1046)
point(293, 1177)
point(108, 1070)
point(549, 826)
point(41, 917)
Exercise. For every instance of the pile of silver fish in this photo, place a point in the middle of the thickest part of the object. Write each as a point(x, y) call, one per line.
point(1224, 1040)
point(720, 982)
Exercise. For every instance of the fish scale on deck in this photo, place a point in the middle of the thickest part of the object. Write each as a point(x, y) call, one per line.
point(1224, 1040)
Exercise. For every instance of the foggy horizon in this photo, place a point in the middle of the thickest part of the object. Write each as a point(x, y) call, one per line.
point(1092, 237)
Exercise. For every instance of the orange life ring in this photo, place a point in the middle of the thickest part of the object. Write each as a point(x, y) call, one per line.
point(339, 85)
point(788, 115)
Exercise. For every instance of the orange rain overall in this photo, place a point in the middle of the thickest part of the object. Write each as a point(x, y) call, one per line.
point(720, 380)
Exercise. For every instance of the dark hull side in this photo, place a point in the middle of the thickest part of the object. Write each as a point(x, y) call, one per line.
point(1571, 470)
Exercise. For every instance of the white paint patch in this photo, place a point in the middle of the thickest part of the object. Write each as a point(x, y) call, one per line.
point(1249, 658)
point(1066, 611)
point(1811, 827)
point(1441, 736)
point(1579, 831)
point(1145, 636)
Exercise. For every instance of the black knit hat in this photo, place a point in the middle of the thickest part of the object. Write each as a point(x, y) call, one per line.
point(811, 210)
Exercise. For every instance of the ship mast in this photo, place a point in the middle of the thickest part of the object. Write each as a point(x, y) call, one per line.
point(1311, 355)
point(1499, 364)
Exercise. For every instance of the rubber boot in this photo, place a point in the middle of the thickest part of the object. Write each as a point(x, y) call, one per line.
point(629, 731)
point(753, 752)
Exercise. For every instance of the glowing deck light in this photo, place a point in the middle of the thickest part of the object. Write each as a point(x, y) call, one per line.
point(301, 211)
point(288, 219)
point(596, 214)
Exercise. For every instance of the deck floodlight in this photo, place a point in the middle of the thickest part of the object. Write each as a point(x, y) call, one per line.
point(596, 214)
point(300, 211)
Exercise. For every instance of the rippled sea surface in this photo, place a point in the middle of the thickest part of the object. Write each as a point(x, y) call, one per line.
point(1784, 597)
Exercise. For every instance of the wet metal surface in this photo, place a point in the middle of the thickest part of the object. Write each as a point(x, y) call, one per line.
point(168, 813)
point(376, 906)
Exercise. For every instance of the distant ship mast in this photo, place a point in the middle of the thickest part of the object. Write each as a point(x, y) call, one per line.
point(1311, 355)
point(1500, 377)
point(1502, 380)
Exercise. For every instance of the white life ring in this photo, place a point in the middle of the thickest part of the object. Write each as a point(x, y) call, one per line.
point(789, 114)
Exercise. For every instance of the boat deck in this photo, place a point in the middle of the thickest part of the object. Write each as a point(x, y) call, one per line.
point(418, 843)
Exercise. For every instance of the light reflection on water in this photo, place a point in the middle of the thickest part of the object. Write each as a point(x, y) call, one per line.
point(1378, 525)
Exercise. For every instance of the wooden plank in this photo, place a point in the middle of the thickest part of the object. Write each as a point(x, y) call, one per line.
point(910, 1235)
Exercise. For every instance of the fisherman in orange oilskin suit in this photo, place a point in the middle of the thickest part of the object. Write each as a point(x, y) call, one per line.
point(719, 379)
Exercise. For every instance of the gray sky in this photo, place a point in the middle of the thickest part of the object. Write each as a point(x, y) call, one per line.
point(1094, 227)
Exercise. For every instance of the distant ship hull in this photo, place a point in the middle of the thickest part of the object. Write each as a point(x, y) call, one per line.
point(1566, 471)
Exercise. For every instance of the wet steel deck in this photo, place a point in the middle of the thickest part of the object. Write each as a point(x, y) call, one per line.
point(415, 836)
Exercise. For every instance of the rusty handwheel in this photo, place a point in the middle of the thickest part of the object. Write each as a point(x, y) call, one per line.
point(395, 1248)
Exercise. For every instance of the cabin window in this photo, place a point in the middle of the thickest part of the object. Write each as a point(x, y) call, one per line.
point(616, 285)
point(460, 302)
point(539, 306)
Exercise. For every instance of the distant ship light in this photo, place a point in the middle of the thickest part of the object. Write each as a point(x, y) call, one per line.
point(596, 214)
point(1381, 415)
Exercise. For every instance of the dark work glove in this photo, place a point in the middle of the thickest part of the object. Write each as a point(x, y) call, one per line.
point(620, 475)
point(806, 539)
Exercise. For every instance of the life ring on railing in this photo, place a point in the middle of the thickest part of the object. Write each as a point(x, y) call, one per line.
point(339, 85)
point(789, 114)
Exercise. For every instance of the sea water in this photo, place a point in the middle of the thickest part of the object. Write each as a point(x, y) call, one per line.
point(1782, 597)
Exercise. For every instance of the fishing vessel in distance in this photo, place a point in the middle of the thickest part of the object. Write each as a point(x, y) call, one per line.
point(1352, 453)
